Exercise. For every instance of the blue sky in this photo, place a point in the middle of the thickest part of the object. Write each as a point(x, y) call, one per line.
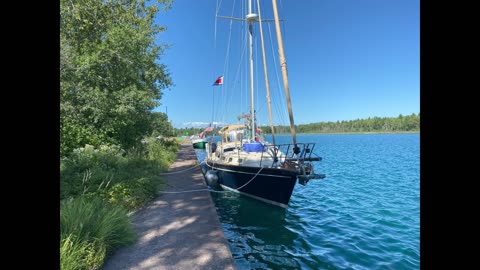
point(346, 60)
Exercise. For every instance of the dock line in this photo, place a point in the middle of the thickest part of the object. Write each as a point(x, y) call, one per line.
point(211, 190)
point(183, 170)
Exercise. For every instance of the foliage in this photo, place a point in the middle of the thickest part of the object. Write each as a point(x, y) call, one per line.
point(401, 123)
point(110, 75)
point(128, 178)
point(97, 188)
point(90, 229)
point(111, 79)
point(161, 126)
point(76, 254)
point(131, 194)
point(163, 149)
point(189, 131)
point(88, 168)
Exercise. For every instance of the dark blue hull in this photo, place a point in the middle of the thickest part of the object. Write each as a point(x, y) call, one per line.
point(270, 185)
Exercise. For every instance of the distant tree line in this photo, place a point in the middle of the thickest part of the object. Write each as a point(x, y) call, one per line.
point(410, 123)
point(189, 131)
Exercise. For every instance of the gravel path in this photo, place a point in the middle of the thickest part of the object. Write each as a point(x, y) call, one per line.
point(177, 231)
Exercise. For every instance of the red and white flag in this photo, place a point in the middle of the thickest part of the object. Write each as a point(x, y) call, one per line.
point(218, 81)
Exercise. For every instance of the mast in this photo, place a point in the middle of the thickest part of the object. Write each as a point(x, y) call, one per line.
point(283, 64)
point(267, 86)
point(251, 17)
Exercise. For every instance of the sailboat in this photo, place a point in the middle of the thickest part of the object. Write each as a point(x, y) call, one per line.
point(243, 161)
point(199, 140)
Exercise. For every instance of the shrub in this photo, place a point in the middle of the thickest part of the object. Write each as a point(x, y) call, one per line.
point(86, 168)
point(131, 194)
point(90, 170)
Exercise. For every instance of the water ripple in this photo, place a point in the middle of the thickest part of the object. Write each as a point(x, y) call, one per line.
point(364, 215)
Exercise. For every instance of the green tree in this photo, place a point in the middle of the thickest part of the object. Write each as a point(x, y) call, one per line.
point(161, 126)
point(110, 75)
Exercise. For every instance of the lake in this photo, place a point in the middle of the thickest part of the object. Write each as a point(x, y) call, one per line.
point(364, 215)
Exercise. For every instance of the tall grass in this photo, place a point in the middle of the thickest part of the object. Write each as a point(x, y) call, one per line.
point(98, 187)
point(90, 229)
point(79, 254)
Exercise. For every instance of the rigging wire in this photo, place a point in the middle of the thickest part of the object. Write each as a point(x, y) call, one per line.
point(225, 66)
point(280, 101)
point(232, 82)
point(235, 99)
point(238, 79)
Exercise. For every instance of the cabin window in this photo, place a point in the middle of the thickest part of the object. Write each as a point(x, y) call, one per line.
point(240, 160)
point(230, 160)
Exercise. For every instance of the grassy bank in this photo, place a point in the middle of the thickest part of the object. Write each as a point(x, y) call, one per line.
point(98, 188)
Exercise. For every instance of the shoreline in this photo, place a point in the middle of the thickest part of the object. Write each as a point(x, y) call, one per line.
point(340, 133)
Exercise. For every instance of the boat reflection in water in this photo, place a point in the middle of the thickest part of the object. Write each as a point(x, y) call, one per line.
point(249, 225)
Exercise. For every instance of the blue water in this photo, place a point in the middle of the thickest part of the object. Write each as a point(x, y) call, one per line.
point(364, 215)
